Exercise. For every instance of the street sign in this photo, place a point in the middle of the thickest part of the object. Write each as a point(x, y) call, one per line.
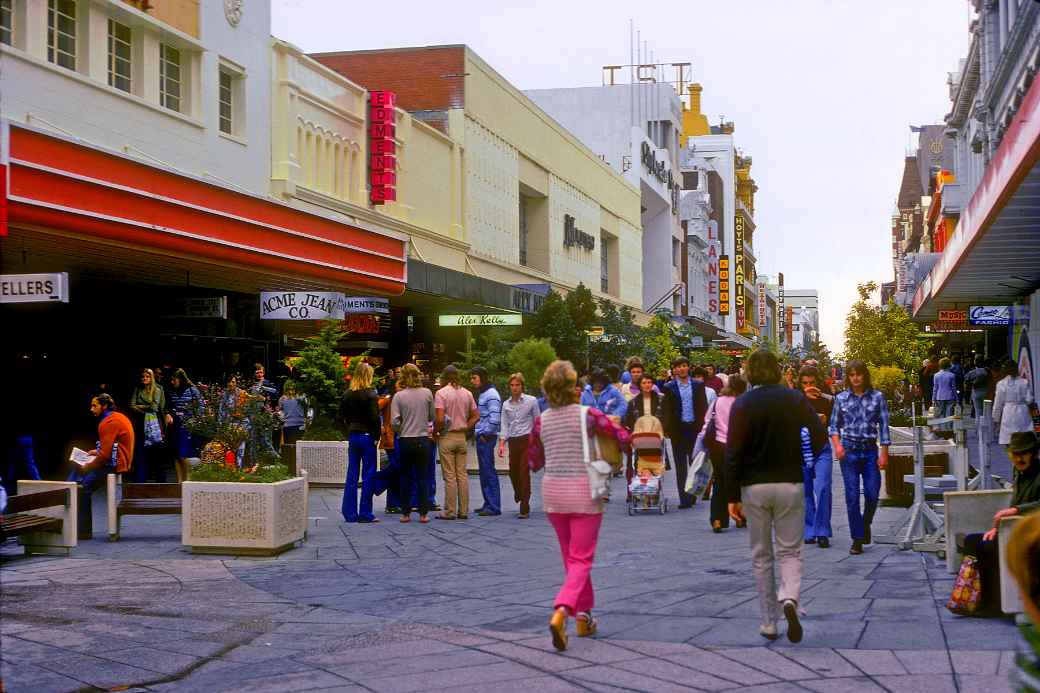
point(481, 320)
point(595, 331)
point(34, 288)
point(989, 315)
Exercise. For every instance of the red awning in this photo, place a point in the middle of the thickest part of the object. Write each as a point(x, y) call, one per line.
point(61, 184)
point(995, 237)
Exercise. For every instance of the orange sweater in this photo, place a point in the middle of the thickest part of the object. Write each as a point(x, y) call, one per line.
point(116, 428)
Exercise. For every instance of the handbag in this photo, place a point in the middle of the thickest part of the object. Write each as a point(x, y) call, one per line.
point(152, 429)
point(598, 470)
point(700, 473)
point(709, 429)
point(967, 589)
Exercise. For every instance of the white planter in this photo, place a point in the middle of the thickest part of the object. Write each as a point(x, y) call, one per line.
point(325, 461)
point(250, 519)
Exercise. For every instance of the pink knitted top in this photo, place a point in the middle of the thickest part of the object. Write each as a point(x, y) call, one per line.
point(555, 443)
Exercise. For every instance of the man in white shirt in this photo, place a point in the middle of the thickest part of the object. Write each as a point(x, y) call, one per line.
point(519, 412)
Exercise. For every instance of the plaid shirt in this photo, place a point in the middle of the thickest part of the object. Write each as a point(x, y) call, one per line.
point(860, 419)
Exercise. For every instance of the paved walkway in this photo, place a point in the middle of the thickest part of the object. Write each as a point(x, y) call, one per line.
point(463, 605)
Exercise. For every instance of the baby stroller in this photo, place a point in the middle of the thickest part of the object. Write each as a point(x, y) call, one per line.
point(646, 468)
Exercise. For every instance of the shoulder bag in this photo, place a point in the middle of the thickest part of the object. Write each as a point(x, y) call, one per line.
point(599, 470)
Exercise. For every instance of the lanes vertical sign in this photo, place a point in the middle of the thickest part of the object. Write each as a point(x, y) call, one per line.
point(738, 271)
point(724, 285)
point(382, 147)
point(713, 268)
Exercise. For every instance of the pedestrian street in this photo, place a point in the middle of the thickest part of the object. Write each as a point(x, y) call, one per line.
point(462, 605)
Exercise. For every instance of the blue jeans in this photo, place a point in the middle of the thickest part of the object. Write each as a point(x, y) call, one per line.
point(488, 476)
point(818, 495)
point(20, 463)
point(431, 474)
point(361, 459)
point(978, 399)
point(861, 462)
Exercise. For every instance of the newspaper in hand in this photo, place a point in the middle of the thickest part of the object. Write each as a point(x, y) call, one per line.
point(81, 457)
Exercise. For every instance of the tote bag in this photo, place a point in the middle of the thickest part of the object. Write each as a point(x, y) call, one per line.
point(598, 469)
point(967, 588)
point(152, 429)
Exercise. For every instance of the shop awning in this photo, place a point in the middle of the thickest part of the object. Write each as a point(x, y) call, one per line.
point(994, 255)
point(94, 197)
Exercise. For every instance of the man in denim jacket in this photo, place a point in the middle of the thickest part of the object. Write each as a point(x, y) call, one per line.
point(489, 406)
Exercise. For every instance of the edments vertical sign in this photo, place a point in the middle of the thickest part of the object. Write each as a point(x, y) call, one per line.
point(382, 147)
point(761, 304)
point(738, 270)
point(781, 311)
point(724, 285)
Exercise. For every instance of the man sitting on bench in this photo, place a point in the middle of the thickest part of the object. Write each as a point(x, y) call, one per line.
point(1024, 452)
point(115, 432)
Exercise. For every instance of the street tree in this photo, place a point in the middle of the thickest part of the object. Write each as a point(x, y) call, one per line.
point(319, 372)
point(659, 343)
point(882, 335)
point(622, 337)
point(531, 357)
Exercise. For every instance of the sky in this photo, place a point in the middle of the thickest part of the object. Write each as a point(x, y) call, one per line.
point(822, 93)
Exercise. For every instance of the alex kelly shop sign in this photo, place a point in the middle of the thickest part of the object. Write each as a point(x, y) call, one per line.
point(480, 320)
point(34, 288)
point(316, 305)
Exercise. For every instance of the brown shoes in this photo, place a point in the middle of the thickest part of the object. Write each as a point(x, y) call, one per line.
point(585, 625)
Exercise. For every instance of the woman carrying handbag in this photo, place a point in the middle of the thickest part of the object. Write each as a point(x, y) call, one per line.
point(564, 443)
point(714, 437)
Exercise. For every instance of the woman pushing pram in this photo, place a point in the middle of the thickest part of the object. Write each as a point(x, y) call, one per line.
point(646, 465)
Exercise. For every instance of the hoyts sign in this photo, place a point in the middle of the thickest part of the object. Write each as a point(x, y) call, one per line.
point(382, 147)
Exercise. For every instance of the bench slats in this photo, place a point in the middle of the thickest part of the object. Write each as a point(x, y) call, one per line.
point(163, 491)
point(23, 523)
point(36, 501)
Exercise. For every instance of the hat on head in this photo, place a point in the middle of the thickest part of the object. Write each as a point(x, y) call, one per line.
point(1023, 441)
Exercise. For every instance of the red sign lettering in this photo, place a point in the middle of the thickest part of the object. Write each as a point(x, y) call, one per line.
point(382, 160)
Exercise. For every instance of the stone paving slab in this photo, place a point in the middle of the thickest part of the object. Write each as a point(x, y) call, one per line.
point(463, 606)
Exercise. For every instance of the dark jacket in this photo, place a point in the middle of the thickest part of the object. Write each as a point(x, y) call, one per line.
point(635, 408)
point(359, 412)
point(764, 444)
point(1027, 490)
point(671, 408)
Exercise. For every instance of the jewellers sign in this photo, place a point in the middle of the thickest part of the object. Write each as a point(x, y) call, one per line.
point(302, 305)
point(989, 315)
point(480, 320)
point(34, 288)
point(573, 236)
point(658, 171)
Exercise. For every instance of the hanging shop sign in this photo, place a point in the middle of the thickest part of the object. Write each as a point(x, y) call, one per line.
point(382, 147)
point(987, 315)
point(359, 323)
point(788, 319)
point(657, 170)
point(953, 316)
point(739, 271)
point(480, 320)
point(714, 248)
point(302, 305)
point(195, 307)
point(724, 285)
point(761, 305)
point(34, 288)
point(781, 312)
point(573, 236)
point(366, 304)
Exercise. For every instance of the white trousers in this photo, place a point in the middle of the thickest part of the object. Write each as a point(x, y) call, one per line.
point(775, 515)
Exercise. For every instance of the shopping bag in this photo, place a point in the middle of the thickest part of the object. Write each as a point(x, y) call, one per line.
point(967, 589)
point(598, 470)
point(699, 476)
point(152, 429)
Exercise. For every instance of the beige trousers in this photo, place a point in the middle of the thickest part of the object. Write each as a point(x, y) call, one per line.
point(452, 449)
point(775, 515)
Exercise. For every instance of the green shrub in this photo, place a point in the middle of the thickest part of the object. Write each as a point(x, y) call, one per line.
point(888, 379)
point(531, 357)
point(322, 429)
point(222, 472)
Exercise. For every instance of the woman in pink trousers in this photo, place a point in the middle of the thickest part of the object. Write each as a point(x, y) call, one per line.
point(556, 445)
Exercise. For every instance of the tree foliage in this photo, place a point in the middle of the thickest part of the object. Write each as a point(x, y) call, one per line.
point(622, 336)
point(882, 335)
point(659, 343)
point(531, 357)
point(319, 372)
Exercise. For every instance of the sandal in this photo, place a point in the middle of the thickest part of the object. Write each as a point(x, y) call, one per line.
point(585, 624)
point(424, 520)
point(558, 628)
point(405, 518)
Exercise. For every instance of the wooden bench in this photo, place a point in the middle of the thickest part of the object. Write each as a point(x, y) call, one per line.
point(52, 527)
point(139, 499)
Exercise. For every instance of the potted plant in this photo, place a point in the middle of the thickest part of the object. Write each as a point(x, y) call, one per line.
point(239, 499)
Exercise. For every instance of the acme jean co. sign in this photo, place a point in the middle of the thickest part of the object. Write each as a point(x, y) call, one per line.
point(480, 320)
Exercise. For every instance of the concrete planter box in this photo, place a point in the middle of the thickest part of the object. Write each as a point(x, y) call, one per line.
point(325, 461)
point(243, 519)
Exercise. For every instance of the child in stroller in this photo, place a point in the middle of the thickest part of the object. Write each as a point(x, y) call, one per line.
point(647, 467)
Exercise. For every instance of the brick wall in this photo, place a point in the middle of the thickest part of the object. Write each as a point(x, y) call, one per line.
point(416, 74)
